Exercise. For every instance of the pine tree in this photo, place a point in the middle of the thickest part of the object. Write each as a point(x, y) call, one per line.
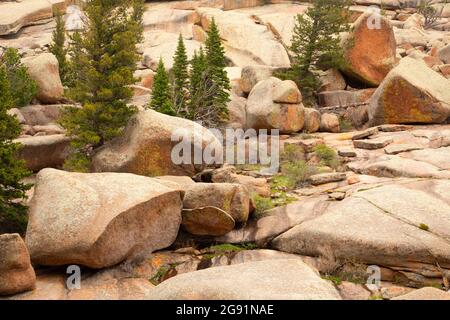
point(21, 87)
point(12, 170)
point(57, 47)
point(316, 42)
point(103, 60)
point(161, 92)
point(180, 79)
point(217, 77)
point(197, 86)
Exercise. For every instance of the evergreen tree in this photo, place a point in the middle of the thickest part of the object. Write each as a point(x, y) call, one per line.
point(12, 170)
point(103, 60)
point(21, 87)
point(316, 42)
point(216, 76)
point(197, 85)
point(161, 92)
point(57, 47)
point(180, 78)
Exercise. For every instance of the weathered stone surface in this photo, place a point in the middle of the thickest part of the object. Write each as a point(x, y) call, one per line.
point(353, 291)
point(396, 166)
point(15, 15)
point(296, 281)
point(170, 20)
point(370, 52)
point(237, 112)
point(411, 93)
point(16, 273)
point(344, 98)
point(287, 92)
point(371, 144)
point(232, 198)
point(399, 148)
point(264, 113)
point(207, 221)
point(329, 123)
point(42, 114)
point(347, 153)
point(47, 151)
point(312, 120)
point(444, 54)
point(332, 80)
point(381, 226)
point(251, 75)
point(246, 43)
point(92, 220)
point(437, 157)
point(44, 70)
point(323, 178)
point(427, 293)
point(145, 147)
point(365, 133)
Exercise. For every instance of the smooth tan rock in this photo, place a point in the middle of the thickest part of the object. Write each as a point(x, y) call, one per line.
point(42, 114)
point(207, 221)
point(16, 273)
point(146, 146)
point(99, 220)
point(332, 80)
point(329, 123)
point(15, 15)
point(411, 93)
point(246, 43)
point(312, 120)
point(234, 199)
point(264, 113)
point(370, 52)
point(237, 112)
point(251, 75)
point(371, 144)
point(427, 293)
point(44, 69)
point(381, 226)
point(282, 279)
point(287, 92)
point(48, 151)
point(323, 178)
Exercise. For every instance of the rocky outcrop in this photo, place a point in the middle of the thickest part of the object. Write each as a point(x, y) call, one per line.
point(44, 70)
point(48, 151)
point(402, 226)
point(329, 123)
point(251, 75)
point(370, 51)
point(296, 281)
point(16, 273)
point(92, 220)
point(15, 15)
point(275, 104)
point(411, 93)
point(246, 43)
point(231, 198)
point(145, 148)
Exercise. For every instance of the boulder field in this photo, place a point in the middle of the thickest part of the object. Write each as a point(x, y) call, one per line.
point(373, 154)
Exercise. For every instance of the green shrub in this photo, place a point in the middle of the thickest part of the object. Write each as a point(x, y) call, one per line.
point(328, 156)
point(21, 86)
point(292, 153)
point(262, 205)
point(424, 227)
point(297, 172)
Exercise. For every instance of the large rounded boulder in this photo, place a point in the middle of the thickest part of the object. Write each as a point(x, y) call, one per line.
point(370, 49)
point(100, 219)
point(275, 104)
point(146, 146)
point(411, 93)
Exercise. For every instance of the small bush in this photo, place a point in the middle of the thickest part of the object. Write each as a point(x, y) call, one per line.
point(22, 88)
point(292, 153)
point(424, 227)
point(328, 156)
point(262, 205)
point(430, 13)
point(298, 172)
point(345, 124)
